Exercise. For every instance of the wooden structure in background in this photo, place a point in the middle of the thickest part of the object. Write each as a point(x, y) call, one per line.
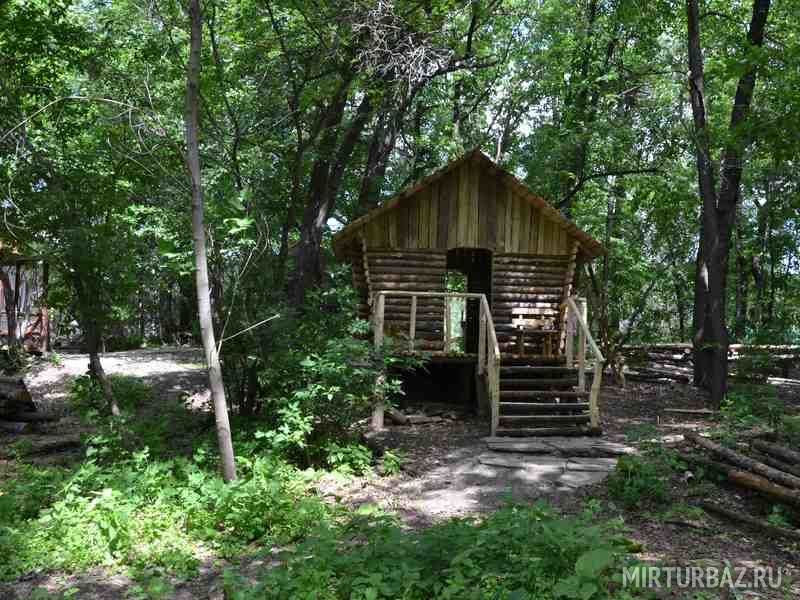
point(24, 315)
point(520, 258)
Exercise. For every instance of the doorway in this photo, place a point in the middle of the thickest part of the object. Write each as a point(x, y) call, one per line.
point(470, 268)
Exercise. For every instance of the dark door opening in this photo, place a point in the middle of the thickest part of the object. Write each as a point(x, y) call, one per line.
point(476, 265)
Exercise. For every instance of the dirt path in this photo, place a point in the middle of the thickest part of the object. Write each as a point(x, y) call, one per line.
point(172, 372)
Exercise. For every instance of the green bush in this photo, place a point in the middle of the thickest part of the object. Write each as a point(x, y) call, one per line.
point(638, 481)
point(86, 396)
point(522, 552)
point(751, 405)
point(141, 512)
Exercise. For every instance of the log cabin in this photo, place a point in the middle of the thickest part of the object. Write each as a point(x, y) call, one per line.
point(24, 316)
point(470, 263)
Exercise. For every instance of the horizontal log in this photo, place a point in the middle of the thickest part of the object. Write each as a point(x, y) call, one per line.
point(526, 270)
point(14, 427)
point(428, 270)
point(781, 452)
point(409, 286)
point(758, 524)
point(522, 289)
point(413, 251)
point(778, 464)
point(514, 258)
point(748, 480)
point(31, 417)
point(745, 462)
point(532, 280)
point(408, 261)
point(378, 277)
point(521, 297)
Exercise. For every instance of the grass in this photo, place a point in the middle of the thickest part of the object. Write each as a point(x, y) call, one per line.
point(132, 503)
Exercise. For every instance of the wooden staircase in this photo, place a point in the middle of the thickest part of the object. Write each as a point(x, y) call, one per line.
point(529, 394)
point(541, 396)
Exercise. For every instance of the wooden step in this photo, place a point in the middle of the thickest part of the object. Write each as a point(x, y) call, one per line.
point(508, 359)
point(538, 383)
point(574, 430)
point(541, 394)
point(545, 419)
point(545, 407)
point(537, 370)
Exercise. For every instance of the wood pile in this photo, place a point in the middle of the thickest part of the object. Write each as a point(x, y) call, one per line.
point(769, 469)
point(429, 413)
point(17, 410)
point(654, 363)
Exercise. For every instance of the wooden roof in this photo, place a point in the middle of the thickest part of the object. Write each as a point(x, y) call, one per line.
point(588, 244)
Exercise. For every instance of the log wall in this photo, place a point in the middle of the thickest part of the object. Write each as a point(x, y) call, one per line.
point(410, 271)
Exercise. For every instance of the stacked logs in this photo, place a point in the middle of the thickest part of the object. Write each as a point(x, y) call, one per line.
point(410, 271)
point(771, 470)
point(17, 409)
point(674, 362)
point(529, 287)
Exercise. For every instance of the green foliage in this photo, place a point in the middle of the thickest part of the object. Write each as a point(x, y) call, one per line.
point(392, 461)
point(125, 505)
point(86, 396)
point(638, 481)
point(749, 406)
point(520, 552)
point(790, 429)
point(348, 459)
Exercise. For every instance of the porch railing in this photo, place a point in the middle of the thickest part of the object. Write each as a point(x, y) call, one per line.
point(576, 319)
point(488, 348)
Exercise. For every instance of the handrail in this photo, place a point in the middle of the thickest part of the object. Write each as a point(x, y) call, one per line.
point(586, 331)
point(488, 347)
point(584, 338)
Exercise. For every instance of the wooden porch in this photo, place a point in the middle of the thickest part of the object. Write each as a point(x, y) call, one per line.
point(528, 393)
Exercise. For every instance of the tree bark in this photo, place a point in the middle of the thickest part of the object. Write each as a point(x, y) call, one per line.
point(718, 207)
point(745, 462)
point(192, 119)
point(10, 297)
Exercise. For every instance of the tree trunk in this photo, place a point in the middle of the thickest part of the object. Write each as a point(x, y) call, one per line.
point(742, 283)
point(718, 207)
point(9, 295)
point(96, 371)
point(199, 234)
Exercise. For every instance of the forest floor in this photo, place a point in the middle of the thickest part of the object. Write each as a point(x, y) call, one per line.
point(443, 475)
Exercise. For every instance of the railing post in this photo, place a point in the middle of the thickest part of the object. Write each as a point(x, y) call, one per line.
point(378, 333)
point(582, 347)
point(446, 325)
point(569, 330)
point(594, 410)
point(481, 339)
point(412, 325)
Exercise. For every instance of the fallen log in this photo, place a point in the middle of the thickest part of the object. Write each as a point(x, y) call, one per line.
point(749, 480)
point(745, 462)
point(779, 464)
point(14, 396)
point(32, 417)
point(396, 417)
point(14, 427)
point(704, 412)
point(792, 534)
point(778, 451)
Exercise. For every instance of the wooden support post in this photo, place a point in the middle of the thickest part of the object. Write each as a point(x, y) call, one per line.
point(378, 326)
point(481, 341)
point(570, 339)
point(446, 348)
point(412, 324)
point(376, 424)
point(594, 409)
point(582, 346)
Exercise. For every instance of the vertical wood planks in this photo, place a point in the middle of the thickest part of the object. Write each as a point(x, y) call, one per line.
point(444, 213)
point(433, 230)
